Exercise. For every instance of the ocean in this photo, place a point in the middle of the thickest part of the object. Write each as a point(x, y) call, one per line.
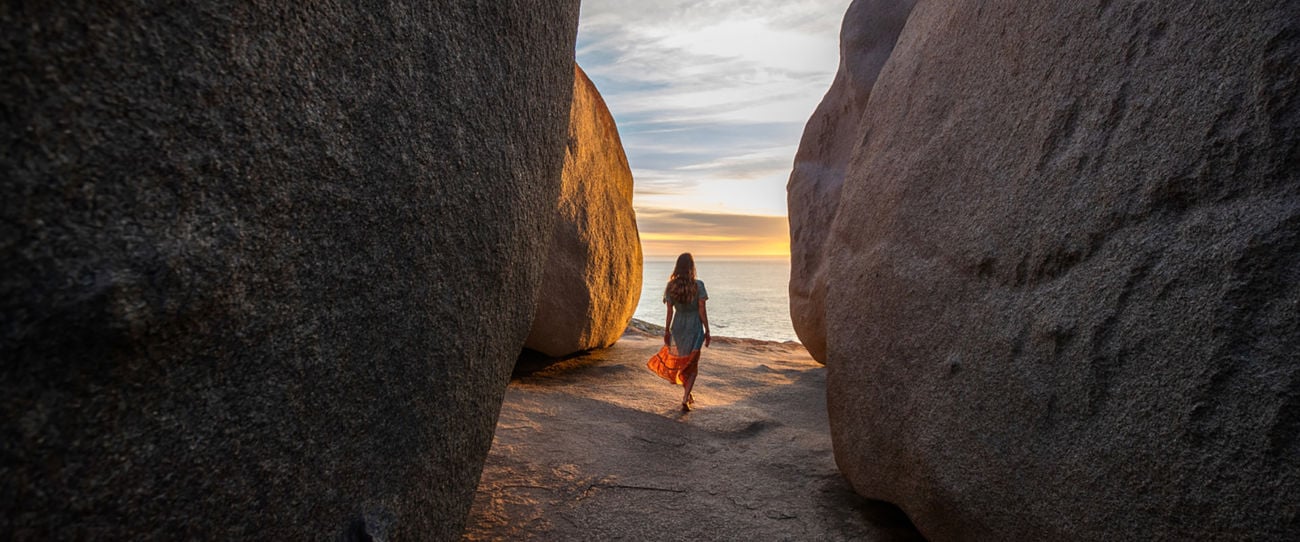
point(747, 298)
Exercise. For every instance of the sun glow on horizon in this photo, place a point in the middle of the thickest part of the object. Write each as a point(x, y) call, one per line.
point(719, 251)
point(666, 232)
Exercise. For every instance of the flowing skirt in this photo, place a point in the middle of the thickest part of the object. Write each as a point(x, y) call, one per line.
point(681, 358)
point(672, 367)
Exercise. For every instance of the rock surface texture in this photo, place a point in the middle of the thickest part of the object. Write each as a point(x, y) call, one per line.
point(870, 29)
point(592, 279)
point(1064, 286)
point(596, 447)
point(266, 267)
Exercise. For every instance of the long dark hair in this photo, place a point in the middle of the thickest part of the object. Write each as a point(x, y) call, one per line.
point(681, 285)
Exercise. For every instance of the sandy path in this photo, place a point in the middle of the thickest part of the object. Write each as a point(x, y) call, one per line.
point(596, 448)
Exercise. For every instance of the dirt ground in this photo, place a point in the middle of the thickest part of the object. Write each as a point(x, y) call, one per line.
point(597, 448)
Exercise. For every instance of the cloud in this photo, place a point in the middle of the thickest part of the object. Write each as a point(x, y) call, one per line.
point(711, 96)
point(751, 165)
point(725, 224)
point(669, 232)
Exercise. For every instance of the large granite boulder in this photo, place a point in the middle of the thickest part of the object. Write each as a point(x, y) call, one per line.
point(1063, 299)
point(866, 39)
point(592, 278)
point(266, 267)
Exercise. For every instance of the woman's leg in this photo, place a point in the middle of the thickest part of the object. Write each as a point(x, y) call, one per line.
point(689, 381)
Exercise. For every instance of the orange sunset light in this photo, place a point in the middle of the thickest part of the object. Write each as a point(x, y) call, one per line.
point(669, 233)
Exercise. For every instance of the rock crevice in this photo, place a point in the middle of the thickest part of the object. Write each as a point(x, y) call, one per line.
point(592, 278)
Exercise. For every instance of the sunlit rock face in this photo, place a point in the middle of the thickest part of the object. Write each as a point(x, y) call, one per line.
point(870, 29)
point(1063, 287)
point(592, 279)
point(266, 268)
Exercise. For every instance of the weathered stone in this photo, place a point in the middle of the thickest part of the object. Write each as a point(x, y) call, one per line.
point(592, 278)
point(266, 267)
point(1064, 292)
point(867, 37)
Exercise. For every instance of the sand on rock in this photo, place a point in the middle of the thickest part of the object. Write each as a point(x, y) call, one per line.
point(597, 448)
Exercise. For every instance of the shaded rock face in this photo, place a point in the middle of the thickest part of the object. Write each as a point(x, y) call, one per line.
point(1064, 287)
point(592, 278)
point(870, 29)
point(266, 268)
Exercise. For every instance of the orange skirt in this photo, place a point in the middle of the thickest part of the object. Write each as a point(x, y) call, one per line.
point(673, 368)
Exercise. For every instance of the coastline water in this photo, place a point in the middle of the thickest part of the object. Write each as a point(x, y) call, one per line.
point(748, 298)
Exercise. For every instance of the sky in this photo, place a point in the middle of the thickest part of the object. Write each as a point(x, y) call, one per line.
point(711, 97)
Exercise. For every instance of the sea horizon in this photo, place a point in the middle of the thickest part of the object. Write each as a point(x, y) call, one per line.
point(748, 294)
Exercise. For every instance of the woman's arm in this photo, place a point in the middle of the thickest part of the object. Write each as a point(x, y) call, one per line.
point(704, 319)
point(668, 324)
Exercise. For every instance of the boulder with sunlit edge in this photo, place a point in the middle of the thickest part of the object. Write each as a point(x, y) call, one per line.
point(866, 39)
point(265, 267)
point(592, 278)
point(1063, 285)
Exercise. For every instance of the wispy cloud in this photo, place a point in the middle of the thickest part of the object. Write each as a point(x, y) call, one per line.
point(711, 95)
point(670, 232)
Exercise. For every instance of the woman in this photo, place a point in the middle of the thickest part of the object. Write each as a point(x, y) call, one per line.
point(685, 331)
